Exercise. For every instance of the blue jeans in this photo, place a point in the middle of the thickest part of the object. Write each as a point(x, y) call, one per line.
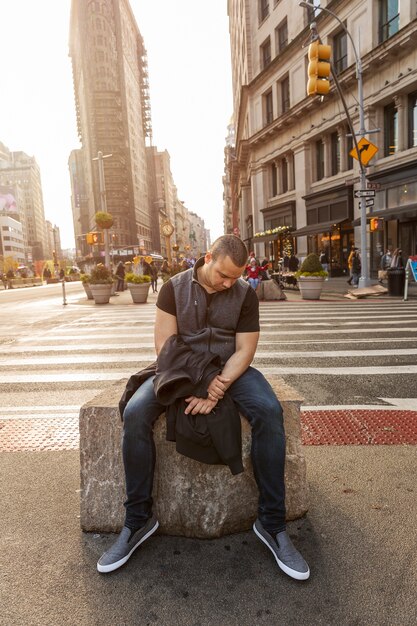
point(254, 282)
point(256, 400)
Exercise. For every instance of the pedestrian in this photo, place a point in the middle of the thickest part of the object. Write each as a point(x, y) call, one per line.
point(253, 273)
point(145, 267)
point(120, 273)
point(154, 277)
point(384, 265)
point(10, 276)
point(350, 257)
point(397, 260)
point(264, 272)
point(356, 268)
point(293, 263)
point(61, 274)
point(211, 308)
point(3, 279)
point(324, 260)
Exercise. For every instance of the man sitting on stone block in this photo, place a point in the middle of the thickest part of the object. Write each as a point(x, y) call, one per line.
point(212, 308)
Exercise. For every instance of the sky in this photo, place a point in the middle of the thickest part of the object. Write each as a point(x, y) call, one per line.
point(190, 87)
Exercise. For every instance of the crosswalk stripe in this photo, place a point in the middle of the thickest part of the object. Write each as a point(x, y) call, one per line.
point(283, 332)
point(150, 356)
point(70, 377)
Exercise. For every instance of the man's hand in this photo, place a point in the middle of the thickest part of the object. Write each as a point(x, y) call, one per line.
point(218, 387)
point(199, 405)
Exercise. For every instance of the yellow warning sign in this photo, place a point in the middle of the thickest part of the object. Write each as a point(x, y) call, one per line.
point(366, 151)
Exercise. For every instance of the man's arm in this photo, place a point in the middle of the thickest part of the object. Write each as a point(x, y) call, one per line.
point(238, 363)
point(165, 326)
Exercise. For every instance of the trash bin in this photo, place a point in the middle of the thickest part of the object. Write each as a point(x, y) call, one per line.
point(396, 281)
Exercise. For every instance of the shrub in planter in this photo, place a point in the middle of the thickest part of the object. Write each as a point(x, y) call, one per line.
point(310, 277)
point(85, 279)
point(137, 279)
point(100, 275)
point(103, 219)
point(101, 282)
point(311, 266)
point(138, 285)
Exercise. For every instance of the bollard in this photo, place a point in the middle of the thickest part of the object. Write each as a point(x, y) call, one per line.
point(64, 300)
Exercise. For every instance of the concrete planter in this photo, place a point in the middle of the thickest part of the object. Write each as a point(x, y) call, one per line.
point(87, 290)
point(101, 293)
point(310, 287)
point(139, 292)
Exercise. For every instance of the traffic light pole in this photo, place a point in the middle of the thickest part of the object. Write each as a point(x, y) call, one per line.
point(364, 280)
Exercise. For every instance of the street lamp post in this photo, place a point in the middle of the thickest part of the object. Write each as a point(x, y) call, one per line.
point(103, 204)
point(364, 280)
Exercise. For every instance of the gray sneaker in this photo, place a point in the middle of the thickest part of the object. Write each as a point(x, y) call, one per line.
point(286, 555)
point(123, 547)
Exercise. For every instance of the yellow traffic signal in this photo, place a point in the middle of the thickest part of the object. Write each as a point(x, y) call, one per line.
point(376, 224)
point(94, 238)
point(318, 69)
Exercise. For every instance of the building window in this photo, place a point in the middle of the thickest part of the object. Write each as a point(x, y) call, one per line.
point(268, 108)
point(266, 53)
point(284, 175)
point(284, 88)
point(274, 186)
point(335, 150)
point(281, 36)
point(319, 160)
point(389, 19)
point(349, 149)
point(340, 58)
point(412, 120)
point(263, 10)
point(313, 13)
point(390, 130)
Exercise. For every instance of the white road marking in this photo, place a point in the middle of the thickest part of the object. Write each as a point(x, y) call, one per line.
point(70, 377)
point(149, 356)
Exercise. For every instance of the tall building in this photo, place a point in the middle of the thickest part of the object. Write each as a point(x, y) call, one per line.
point(21, 173)
point(82, 201)
point(12, 246)
point(294, 180)
point(113, 117)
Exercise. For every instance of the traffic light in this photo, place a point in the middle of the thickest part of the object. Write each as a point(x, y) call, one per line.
point(376, 224)
point(318, 69)
point(94, 238)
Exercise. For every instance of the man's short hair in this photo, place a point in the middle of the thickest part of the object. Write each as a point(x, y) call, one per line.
point(231, 246)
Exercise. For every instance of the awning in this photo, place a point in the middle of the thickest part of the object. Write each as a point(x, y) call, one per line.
point(314, 229)
point(391, 214)
point(272, 237)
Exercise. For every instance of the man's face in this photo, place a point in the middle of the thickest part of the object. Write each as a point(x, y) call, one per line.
point(222, 273)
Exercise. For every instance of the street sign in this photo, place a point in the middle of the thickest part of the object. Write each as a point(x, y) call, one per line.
point(368, 202)
point(366, 151)
point(373, 185)
point(364, 193)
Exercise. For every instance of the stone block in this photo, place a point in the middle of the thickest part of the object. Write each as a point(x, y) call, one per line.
point(191, 499)
point(269, 290)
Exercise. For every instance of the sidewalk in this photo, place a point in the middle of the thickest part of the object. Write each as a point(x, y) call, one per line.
point(334, 289)
point(359, 538)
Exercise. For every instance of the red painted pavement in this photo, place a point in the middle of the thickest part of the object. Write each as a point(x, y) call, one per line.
point(358, 427)
point(318, 428)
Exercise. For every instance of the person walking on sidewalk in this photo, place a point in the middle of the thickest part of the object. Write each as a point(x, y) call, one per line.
point(350, 257)
point(385, 264)
point(210, 304)
point(120, 273)
point(154, 277)
point(356, 268)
